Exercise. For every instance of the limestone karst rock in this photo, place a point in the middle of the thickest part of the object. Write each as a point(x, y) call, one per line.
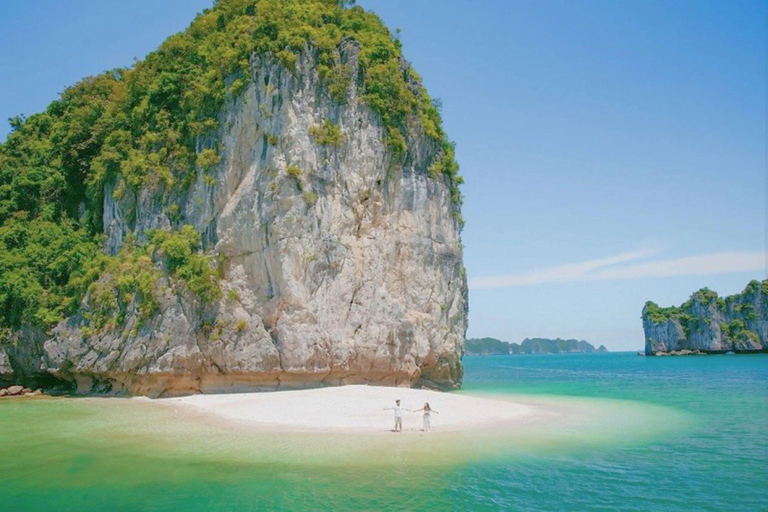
point(339, 259)
point(707, 323)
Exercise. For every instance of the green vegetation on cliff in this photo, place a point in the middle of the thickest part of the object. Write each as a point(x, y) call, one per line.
point(131, 278)
point(657, 314)
point(154, 125)
point(706, 297)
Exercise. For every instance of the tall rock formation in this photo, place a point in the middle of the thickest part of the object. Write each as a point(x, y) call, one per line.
point(337, 257)
point(707, 323)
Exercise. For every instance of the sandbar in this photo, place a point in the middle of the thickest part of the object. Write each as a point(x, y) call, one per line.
point(356, 408)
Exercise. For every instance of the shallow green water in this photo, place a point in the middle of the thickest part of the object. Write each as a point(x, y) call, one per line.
point(651, 434)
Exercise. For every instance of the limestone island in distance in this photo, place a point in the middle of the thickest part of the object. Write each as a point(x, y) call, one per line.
point(493, 346)
point(708, 324)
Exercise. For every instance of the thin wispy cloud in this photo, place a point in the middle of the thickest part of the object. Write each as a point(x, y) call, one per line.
point(629, 266)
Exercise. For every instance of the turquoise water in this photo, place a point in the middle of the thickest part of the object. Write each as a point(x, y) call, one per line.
point(687, 433)
point(719, 463)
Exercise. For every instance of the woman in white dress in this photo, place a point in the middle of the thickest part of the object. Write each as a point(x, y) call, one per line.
point(427, 410)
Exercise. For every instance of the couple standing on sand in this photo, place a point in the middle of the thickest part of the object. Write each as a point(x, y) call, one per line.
point(399, 415)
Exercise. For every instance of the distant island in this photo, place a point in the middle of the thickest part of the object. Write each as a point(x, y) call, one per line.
point(708, 324)
point(492, 346)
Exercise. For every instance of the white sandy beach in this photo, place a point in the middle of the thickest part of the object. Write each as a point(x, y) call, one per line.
point(353, 409)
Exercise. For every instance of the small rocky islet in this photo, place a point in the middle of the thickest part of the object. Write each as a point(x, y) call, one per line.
point(709, 324)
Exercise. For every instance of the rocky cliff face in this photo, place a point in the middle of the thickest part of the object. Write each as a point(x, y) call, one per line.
point(21, 355)
point(339, 263)
point(709, 324)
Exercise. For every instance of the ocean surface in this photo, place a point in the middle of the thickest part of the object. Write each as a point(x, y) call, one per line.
point(653, 433)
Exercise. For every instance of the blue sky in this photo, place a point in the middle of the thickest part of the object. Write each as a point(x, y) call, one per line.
point(614, 152)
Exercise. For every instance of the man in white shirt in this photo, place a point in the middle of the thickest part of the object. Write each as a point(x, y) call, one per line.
point(398, 416)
